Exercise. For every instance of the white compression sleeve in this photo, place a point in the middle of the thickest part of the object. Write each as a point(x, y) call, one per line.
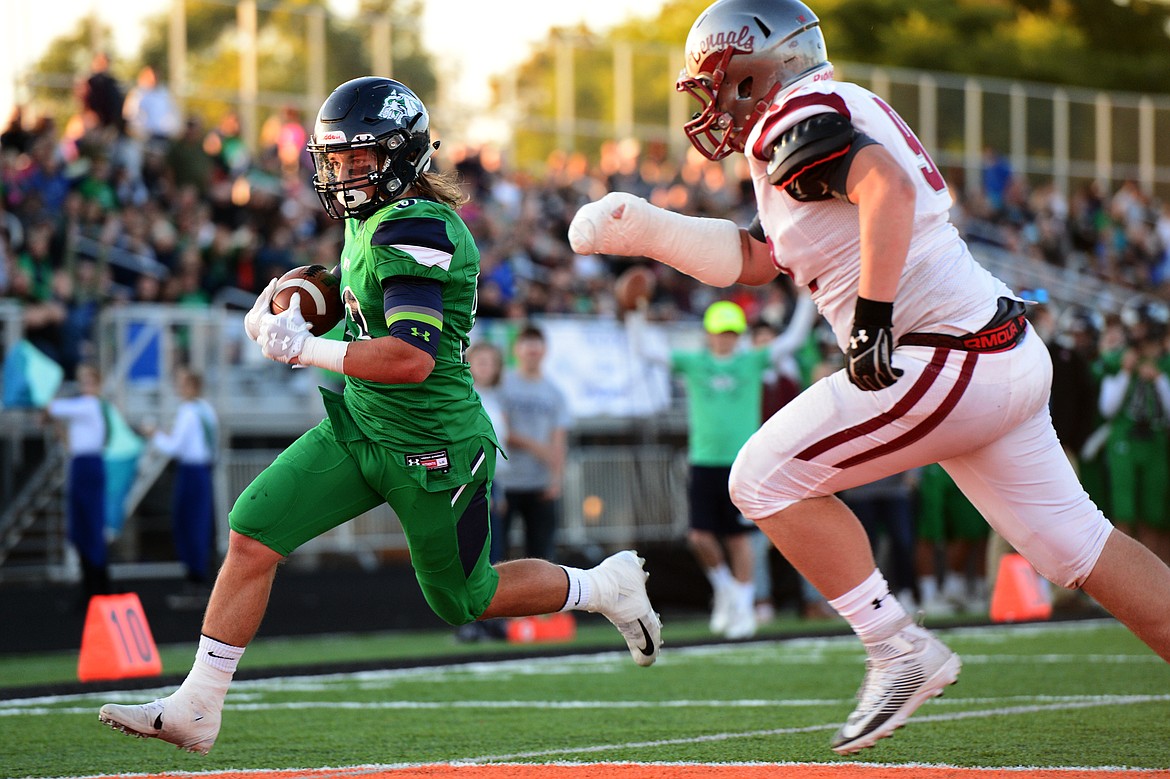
point(620, 223)
point(324, 353)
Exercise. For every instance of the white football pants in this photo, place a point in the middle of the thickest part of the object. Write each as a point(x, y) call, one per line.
point(983, 417)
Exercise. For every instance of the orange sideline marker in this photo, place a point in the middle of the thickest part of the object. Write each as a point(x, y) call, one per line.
point(116, 642)
point(550, 627)
point(1020, 593)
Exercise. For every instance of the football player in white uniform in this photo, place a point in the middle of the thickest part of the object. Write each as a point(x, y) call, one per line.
point(941, 365)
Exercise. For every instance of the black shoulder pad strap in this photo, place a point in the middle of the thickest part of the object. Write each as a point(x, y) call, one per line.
point(803, 157)
point(756, 229)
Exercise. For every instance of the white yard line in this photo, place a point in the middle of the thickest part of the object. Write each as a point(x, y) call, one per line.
point(716, 737)
point(248, 696)
point(1023, 703)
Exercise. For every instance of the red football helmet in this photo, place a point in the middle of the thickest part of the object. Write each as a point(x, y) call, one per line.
point(740, 54)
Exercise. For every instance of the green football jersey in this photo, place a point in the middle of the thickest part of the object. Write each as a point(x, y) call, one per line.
point(724, 401)
point(425, 239)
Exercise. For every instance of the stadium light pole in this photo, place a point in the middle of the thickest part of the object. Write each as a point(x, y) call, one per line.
point(177, 52)
point(246, 22)
point(316, 60)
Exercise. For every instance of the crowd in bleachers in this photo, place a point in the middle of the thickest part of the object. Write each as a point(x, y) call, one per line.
point(1121, 236)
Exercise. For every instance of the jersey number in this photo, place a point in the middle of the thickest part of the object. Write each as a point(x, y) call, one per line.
point(353, 313)
point(925, 163)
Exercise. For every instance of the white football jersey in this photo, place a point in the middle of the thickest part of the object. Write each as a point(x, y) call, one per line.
point(942, 289)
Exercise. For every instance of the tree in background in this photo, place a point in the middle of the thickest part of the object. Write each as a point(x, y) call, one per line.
point(1088, 43)
point(213, 65)
point(1122, 45)
point(1119, 45)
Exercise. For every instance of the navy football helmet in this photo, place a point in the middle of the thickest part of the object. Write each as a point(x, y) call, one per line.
point(371, 132)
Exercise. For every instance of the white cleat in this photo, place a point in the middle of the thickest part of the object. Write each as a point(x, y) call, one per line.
point(620, 595)
point(722, 604)
point(742, 622)
point(902, 672)
point(183, 721)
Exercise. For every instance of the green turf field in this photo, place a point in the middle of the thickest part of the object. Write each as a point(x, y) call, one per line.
point(1053, 695)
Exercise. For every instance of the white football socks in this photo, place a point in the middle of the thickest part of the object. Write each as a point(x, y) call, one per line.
point(211, 673)
point(205, 683)
point(218, 655)
point(870, 609)
point(580, 589)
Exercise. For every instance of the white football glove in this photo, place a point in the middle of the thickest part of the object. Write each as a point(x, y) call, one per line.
point(262, 306)
point(282, 336)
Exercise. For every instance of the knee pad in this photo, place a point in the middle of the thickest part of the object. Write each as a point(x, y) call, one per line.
point(458, 598)
point(761, 486)
point(452, 607)
point(1066, 555)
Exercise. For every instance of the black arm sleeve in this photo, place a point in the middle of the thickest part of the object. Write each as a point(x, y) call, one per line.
point(811, 160)
point(414, 311)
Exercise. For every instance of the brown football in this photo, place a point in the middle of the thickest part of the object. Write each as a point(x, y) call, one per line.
point(320, 293)
point(634, 287)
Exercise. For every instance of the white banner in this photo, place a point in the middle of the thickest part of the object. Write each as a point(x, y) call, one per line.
point(592, 362)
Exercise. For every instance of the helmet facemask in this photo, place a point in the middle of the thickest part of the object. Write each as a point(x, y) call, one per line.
point(344, 192)
point(711, 128)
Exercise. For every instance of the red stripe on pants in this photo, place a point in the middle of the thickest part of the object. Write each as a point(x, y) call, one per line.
point(930, 423)
point(900, 409)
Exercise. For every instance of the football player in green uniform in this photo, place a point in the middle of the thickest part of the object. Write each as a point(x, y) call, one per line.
point(408, 430)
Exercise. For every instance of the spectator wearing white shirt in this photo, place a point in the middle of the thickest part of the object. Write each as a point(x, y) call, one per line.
point(151, 113)
point(85, 437)
point(192, 443)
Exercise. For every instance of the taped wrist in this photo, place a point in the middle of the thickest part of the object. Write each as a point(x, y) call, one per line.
point(324, 353)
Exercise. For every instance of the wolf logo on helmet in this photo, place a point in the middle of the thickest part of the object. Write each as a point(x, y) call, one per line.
point(400, 106)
